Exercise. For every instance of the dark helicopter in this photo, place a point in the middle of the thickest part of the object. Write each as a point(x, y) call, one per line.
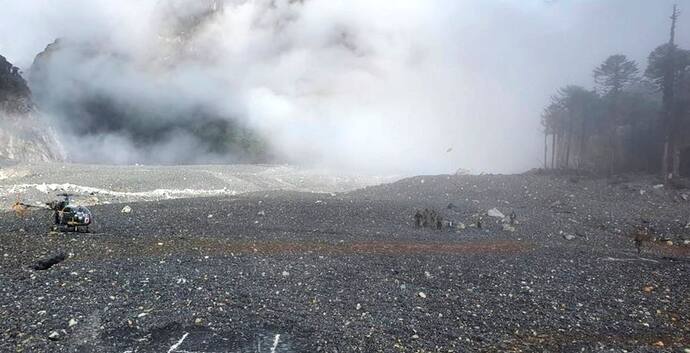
point(68, 217)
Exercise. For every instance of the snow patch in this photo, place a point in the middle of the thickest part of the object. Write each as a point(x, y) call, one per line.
point(153, 194)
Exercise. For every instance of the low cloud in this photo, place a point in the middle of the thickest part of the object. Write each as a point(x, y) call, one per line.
point(405, 87)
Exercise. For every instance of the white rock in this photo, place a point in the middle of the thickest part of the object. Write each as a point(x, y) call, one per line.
point(142, 315)
point(286, 273)
point(54, 336)
point(126, 209)
point(72, 322)
point(658, 186)
point(508, 228)
point(569, 237)
point(494, 212)
point(358, 306)
point(422, 295)
point(210, 216)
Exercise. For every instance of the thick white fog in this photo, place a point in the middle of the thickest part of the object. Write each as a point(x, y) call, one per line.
point(410, 86)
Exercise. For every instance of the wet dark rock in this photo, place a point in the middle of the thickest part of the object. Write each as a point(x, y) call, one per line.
point(49, 262)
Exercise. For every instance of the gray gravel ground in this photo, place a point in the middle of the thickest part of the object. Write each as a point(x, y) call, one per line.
point(286, 271)
point(103, 184)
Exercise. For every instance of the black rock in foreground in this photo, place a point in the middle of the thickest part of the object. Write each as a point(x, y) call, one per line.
point(297, 272)
point(49, 262)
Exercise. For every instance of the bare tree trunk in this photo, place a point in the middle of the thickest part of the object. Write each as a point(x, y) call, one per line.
point(568, 141)
point(583, 147)
point(553, 151)
point(546, 147)
point(612, 147)
point(675, 158)
point(668, 162)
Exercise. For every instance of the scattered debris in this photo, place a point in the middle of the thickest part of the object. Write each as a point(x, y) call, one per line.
point(54, 336)
point(49, 262)
point(568, 237)
point(508, 228)
point(20, 209)
point(494, 212)
point(177, 344)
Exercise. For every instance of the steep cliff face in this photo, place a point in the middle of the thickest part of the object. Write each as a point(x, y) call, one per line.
point(156, 103)
point(23, 136)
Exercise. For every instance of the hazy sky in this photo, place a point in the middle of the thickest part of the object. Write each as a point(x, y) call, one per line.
point(386, 86)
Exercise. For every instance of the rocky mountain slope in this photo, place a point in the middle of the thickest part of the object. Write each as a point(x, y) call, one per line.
point(110, 93)
point(22, 134)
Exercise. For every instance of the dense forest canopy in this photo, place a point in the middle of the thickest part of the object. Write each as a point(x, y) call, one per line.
point(631, 120)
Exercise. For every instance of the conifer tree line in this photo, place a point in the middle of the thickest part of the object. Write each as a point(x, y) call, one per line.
point(634, 120)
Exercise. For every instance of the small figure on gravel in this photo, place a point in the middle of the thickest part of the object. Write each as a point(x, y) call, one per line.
point(642, 234)
point(418, 219)
point(428, 219)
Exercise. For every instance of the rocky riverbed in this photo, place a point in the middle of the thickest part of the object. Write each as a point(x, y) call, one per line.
point(294, 271)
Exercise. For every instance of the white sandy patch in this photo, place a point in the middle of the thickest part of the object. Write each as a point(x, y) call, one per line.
point(153, 194)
